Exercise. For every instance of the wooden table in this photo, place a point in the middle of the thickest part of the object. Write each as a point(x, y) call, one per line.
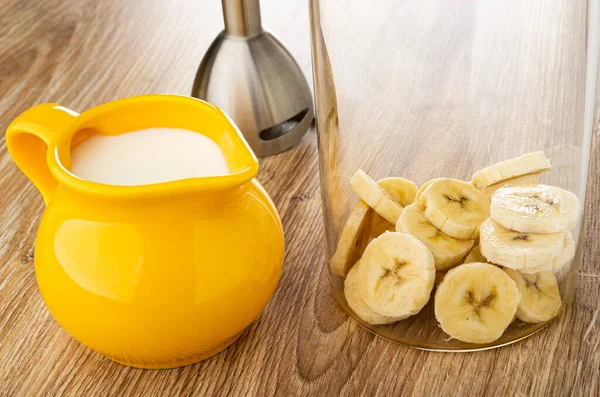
point(81, 53)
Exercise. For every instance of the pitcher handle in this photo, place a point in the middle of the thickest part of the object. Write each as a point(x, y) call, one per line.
point(28, 138)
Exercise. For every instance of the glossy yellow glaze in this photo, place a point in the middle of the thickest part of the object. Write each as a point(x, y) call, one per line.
point(152, 276)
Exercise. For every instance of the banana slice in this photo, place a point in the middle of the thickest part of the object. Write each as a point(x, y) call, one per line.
point(357, 304)
point(476, 256)
point(447, 251)
point(351, 244)
point(540, 297)
point(455, 207)
point(518, 250)
point(525, 180)
point(530, 163)
point(534, 209)
point(476, 302)
point(424, 187)
point(377, 198)
point(401, 190)
point(565, 256)
point(396, 275)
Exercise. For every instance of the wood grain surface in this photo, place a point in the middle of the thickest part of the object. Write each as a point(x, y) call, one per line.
point(81, 53)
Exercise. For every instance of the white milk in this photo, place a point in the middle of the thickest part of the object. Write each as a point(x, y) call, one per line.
point(147, 156)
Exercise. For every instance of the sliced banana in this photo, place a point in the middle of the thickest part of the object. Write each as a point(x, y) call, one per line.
point(351, 243)
point(447, 251)
point(424, 187)
point(377, 198)
point(530, 163)
point(534, 209)
point(525, 180)
point(540, 297)
point(455, 207)
point(357, 304)
point(476, 256)
point(518, 250)
point(396, 275)
point(476, 302)
point(564, 257)
point(401, 190)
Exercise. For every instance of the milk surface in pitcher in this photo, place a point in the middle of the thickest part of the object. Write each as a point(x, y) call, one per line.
point(147, 156)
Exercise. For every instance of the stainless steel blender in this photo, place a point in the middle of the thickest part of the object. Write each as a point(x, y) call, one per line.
point(249, 74)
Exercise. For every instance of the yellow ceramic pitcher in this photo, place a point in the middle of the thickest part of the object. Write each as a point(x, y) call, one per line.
point(151, 276)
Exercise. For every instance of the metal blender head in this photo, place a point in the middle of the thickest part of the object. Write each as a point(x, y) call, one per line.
point(249, 74)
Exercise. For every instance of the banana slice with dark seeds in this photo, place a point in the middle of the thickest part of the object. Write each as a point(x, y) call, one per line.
point(476, 302)
point(455, 207)
point(396, 275)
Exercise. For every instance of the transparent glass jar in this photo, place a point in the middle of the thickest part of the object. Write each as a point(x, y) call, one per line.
point(423, 90)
